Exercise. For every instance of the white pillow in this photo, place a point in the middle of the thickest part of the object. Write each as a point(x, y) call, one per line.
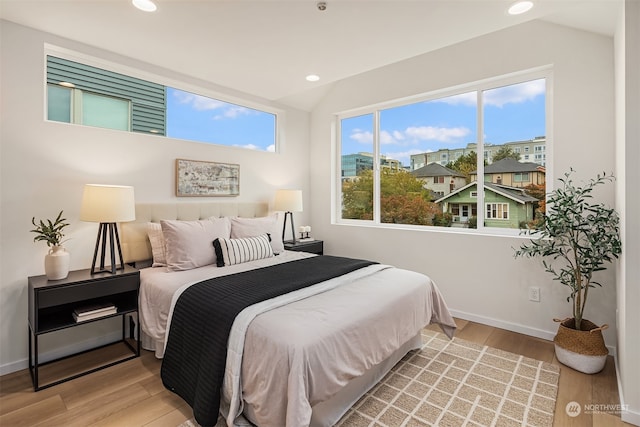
point(251, 227)
point(158, 244)
point(237, 251)
point(188, 243)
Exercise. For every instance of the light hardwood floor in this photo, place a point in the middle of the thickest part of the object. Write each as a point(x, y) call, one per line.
point(131, 394)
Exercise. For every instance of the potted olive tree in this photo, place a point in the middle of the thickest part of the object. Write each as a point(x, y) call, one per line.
point(56, 262)
point(576, 238)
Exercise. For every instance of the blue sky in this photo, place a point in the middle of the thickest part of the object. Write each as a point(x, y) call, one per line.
point(198, 118)
point(511, 113)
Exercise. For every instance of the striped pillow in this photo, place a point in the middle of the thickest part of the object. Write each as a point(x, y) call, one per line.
point(237, 251)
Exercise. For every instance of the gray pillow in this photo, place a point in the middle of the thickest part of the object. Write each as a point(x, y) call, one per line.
point(252, 227)
point(188, 243)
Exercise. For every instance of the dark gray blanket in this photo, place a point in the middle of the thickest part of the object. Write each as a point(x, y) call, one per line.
point(195, 357)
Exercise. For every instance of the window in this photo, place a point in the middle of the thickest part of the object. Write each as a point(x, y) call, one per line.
point(71, 105)
point(83, 94)
point(526, 149)
point(357, 168)
point(539, 148)
point(445, 130)
point(497, 211)
point(521, 177)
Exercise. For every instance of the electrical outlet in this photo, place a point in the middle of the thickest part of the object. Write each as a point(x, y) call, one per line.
point(534, 293)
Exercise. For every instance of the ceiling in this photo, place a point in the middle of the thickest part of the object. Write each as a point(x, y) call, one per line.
point(267, 47)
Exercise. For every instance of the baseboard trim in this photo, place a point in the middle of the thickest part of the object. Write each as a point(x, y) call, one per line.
point(62, 351)
point(514, 327)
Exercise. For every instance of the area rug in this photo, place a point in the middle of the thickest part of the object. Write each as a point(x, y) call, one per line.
point(457, 383)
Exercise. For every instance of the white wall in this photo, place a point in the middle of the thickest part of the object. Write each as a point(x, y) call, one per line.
point(627, 58)
point(478, 275)
point(45, 165)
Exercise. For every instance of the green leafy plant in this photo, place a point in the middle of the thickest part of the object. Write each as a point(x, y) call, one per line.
point(578, 237)
point(50, 232)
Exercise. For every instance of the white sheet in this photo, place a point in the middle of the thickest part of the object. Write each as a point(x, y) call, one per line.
point(159, 286)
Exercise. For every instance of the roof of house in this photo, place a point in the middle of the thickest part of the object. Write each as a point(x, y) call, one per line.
point(510, 165)
point(435, 169)
point(516, 194)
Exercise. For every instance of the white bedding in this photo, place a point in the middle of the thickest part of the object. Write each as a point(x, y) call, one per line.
point(158, 286)
point(304, 352)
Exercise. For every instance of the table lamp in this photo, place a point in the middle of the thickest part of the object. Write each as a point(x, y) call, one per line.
point(288, 201)
point(108, 205)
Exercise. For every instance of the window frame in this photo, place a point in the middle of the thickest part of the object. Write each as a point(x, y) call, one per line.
point(542, 72)
point(182, 85)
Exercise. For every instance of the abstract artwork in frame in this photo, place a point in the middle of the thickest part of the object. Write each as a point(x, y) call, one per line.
point(195, 178)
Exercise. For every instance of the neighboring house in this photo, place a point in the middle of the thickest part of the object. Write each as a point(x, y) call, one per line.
point(439, 179)
point(505, 207)
point(512, 173)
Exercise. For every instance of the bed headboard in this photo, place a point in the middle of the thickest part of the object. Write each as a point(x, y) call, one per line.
point(133, 235)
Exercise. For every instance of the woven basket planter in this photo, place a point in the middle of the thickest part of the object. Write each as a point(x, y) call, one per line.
point(583, 351)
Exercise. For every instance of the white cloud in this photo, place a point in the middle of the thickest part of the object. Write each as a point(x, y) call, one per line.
point(388, 138)
point(432, 133)
point(203, 103)
point(467, 99)
point(198, 102)
point(514, 94)
point(498, 97)
point(232, 112)
point(412, 134)
point(361, 136)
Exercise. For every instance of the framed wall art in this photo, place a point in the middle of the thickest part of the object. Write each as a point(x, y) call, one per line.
point(195, 178)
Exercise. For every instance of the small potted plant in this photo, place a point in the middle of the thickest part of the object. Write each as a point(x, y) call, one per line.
point(576, 238)
point(56, 262)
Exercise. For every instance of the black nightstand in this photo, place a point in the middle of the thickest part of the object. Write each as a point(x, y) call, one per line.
point(313, 246)
point(52, 303)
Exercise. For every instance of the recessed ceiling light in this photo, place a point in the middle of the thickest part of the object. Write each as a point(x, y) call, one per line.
point(144, 5)
point(520, 7)
point(67, 84)
point(313, 77)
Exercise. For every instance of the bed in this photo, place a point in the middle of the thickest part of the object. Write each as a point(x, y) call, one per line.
point(303, 358)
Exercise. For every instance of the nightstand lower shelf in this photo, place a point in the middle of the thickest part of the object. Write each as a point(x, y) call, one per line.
point(49, 374)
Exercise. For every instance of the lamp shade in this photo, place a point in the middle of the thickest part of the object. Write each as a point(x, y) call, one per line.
point(288, 200)
point(107, 203)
